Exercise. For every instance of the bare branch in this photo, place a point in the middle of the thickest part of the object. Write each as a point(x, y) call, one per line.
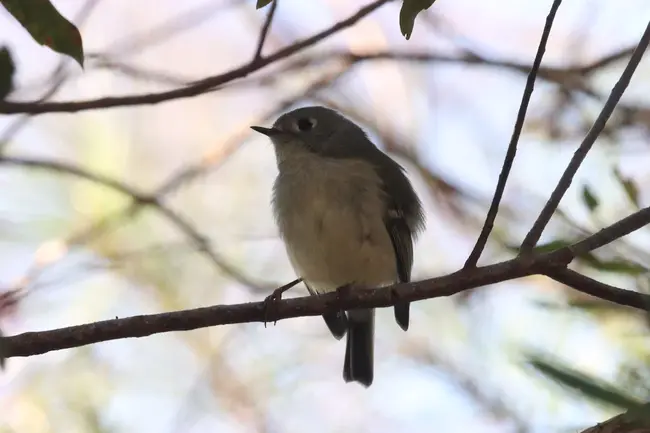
point(632, 421)
point(140, 73)
point(613, 232)
point(592, 287)
point(64, 168)
point(265, 31)
point(197, 88)
point(567, 177)
point(472, 260)
point(199, 241)
point(189, 172)
point(607, 60)
point(168, 29)
point(34, 343)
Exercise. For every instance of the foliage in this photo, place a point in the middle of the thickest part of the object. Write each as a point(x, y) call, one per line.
point(409, 11)
point(47, 26)
point(586, 385)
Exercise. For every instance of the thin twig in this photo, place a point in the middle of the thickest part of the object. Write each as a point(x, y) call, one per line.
point(175, 26)
point(199, 241)
point(567, 177)
point(64, 168)
point(140, 73)
point(197, 88)
point(174, 182)
point(265, 31)
point(606, 60)
point(587, 285)
point(570, 78)
point(188, 173)
point(612, 232)
point(561, 76)
point(474, 256)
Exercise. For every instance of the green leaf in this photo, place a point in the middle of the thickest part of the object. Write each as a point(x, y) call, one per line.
point(588, 386)
point(592, 306)
point(261, 3)
point(615, 265)
point(551, 246)
point(7, 70)
point(631, 190)
point(543, 248)
point(598, 306)
point(47, 26)
point(589, 198)
point(408, 13)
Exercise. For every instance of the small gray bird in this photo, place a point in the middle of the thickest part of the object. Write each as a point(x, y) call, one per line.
point(347, 215)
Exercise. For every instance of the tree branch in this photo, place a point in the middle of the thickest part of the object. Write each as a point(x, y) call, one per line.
point(474, 256)
point(567, 177)
point(194, 89)
point(613, 232)
point(592, 287)
point(632, 421)
point(34, 343)
point(199, 241)
point(265, 31)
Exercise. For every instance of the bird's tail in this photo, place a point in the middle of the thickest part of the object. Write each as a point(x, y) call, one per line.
point(359, 351)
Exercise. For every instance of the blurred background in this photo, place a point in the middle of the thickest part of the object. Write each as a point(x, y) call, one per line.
point(443, 104)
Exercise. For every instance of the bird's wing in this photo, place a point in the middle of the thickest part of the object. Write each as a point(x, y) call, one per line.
point(402, 218)
point(402, 240)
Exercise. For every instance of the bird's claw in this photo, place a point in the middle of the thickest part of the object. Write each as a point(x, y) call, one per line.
point(271, 301)
point(271, 305)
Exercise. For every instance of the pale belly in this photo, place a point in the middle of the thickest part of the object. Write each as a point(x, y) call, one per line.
point(336, 239)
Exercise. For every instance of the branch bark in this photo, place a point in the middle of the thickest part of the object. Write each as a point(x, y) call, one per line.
point(632, 421)
point(552, 264)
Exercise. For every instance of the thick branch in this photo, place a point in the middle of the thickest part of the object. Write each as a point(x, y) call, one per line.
point(34, 343)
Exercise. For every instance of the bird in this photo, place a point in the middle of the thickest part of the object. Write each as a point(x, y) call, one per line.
point(348, 216)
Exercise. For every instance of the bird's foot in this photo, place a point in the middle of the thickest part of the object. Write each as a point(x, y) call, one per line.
point(271, 301)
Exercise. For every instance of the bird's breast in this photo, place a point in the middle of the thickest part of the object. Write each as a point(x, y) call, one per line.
point(330, 216)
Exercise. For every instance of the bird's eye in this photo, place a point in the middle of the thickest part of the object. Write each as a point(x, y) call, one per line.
point(305, 124)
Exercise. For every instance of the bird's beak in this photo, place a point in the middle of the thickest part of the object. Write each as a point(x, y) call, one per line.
point(269, 132)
